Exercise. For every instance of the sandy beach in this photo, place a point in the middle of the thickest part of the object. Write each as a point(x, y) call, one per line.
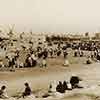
point(40, 78)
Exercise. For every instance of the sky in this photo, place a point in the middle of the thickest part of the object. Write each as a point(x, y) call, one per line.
point(51, 15)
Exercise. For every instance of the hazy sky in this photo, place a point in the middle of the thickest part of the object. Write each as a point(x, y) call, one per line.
point(51, 15)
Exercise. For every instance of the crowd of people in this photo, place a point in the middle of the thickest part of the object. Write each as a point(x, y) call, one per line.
point(38, 55)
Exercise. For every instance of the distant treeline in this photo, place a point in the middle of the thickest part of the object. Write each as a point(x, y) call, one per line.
point(65, 38)
point(59, 38)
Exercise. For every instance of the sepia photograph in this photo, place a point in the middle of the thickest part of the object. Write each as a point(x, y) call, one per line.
point(49, 50)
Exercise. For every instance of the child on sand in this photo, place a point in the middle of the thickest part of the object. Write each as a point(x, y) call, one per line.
point(27, 91)
point(3, 93)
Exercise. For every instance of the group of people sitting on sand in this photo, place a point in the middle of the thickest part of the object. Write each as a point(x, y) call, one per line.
point(60, 88)
point(27, 92)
